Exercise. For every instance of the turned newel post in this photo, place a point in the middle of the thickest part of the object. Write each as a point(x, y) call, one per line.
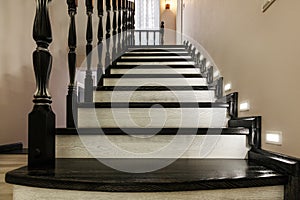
point(162, 33)
point(108, 28)
point(41, 122)
point(100, 69)
point(72, 43)
point(88, 92)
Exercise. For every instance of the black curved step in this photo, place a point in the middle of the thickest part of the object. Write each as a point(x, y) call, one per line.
point(151, 104)
point(152, 76)
point(151, 131)
point(151, 88)
point(181, 175)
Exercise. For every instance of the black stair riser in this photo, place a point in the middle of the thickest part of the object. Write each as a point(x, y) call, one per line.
point(155, 60)
point(152, 88)
point(151, 66)
point(150, 131)
point(158, 50)
point(151, 104)
point(155, 76)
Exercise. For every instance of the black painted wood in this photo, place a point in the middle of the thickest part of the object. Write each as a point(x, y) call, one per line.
point(152, 88)
point(210, 75)
point(182, 175)
point(283, 164)
point(71, 112)
point(151, 104)
point(41, 121)
point(162, 33)
point(158, 59)
point(150, 131)
point(108, 35)
point(100, 68)
point(219, 85)
point(232, 100)
point(153, 76)
point(203, 68)
point(11, 147)
point(88, 90)
point(254, 125)
point(114, 32)
point(151, 66)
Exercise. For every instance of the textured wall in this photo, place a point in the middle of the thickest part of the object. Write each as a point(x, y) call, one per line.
point(259, 54)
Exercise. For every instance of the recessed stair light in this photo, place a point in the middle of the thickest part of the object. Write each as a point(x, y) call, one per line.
point(245, 106)
point(274, 137)
point(227, 87)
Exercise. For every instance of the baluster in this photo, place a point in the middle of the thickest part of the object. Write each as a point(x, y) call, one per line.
point(154, 38)
point(198, 60)
point(162, 33)
point(72, 43)
point(187, 45)
point(147, 37)
point(194, 54)
point(210, 75)
point(119, 25)
point(88, 92)
point(203, 66)
point(41, 121)
point(190, 49)
point(132, 23)
point(114, 51)
point(219, 88)
point(140, 37)
point(100, 70)
point(124, 24)
point(108, 28)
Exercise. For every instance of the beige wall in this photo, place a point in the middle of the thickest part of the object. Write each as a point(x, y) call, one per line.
point(259, 54)
point(169, 17)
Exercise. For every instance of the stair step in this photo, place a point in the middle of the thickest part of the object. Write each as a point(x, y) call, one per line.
point(153, 146)
point(170, 50)
point(152, 115)
point(141, 80)
point(150, 131)
point(155, 96)
point(164, 70)
point(156, 46)
point(134, 65)
point(166, 63)
point(155, 59)
point(153, 53)
point(211, 179)
point(151, 88)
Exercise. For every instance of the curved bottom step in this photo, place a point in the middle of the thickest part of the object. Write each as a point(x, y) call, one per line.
point(183, 179)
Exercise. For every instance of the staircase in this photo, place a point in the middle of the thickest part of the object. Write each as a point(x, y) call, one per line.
point(155, 126)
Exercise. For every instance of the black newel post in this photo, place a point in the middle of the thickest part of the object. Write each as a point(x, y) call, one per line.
point(100, 70)
point(162, 33)
point(41, 122)
point(72, 43)
point(88, 92)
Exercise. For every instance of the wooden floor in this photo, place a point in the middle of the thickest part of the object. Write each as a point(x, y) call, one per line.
point(9, 162)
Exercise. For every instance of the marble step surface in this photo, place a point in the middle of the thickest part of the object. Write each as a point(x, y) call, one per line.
point(155, 96)
point(152, 115)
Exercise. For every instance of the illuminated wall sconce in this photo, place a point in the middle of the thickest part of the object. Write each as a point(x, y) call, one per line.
point(227, 87)
point(245, 106)
point(274, 137)
point(168, 4)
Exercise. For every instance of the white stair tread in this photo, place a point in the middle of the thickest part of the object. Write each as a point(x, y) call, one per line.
point(156, 117)
point(158, 63)
point(156, 71)
point(159, 146)
point(155, 82)
point(155, 96)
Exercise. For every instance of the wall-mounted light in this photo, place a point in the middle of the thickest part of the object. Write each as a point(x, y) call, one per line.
point(274, 137)
point(168, 4)
point(227, 87)
point(245, 106)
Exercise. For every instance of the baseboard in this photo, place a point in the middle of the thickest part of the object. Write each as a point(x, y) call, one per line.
point(16, 148)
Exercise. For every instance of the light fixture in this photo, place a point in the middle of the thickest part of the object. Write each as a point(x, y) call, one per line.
point(227, 87)
point(245, 106)
point(274, 137)
point(168, 4)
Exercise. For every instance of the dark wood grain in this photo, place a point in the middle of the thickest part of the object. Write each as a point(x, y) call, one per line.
point(41, 121)
point(71, 99)
point(182, 175)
